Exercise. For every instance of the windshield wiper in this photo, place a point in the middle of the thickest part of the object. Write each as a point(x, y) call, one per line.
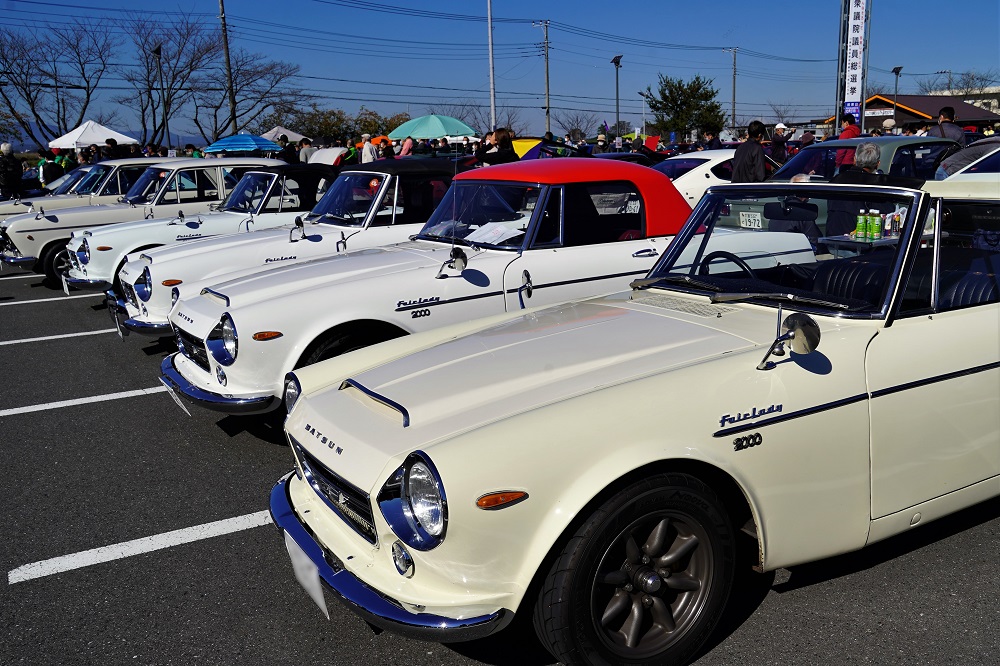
point(729, 297)
point(347, 215)
point(682, 279)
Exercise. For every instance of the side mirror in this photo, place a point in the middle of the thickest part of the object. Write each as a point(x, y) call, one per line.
point(342, 243)
point(457, 260)
point(802, 334)
point(526, 288)
point(300, 226)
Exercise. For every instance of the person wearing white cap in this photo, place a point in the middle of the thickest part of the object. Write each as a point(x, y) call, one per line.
point(888, 126)
point(369, 153)
point(778, 153)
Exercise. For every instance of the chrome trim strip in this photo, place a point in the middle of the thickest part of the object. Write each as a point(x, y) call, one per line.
point(206, 290)
point(889, 390)
point(170, 377)
point(146, 328)
point(373, 606)
point(15, 260)
point(378, 398)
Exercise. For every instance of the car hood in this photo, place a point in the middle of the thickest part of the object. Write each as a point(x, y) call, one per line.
point(296, 278)
point(75, 214)
point(255, 240)
point(538, 358)
point(138, 225)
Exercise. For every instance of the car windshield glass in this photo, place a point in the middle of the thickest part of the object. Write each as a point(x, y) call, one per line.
point(145, 188)
point(676, 167)
point(93, 178)
point(66, 183)
point(483, 214)
point(249, 193)
point(349, 198)
point(822, 247)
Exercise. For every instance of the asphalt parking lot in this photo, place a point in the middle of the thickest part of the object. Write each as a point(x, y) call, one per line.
point(135, 534)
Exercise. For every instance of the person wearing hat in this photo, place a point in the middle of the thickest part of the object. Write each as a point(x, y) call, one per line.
point(778, 140)
point(288, 153)
point(602, 145)
point(888, 126)
point(369, 153)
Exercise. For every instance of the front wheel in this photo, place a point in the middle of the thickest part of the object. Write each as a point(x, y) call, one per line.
point(645, 578)
point(55, 261)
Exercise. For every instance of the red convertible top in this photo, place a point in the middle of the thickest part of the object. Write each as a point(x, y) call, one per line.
point(666, 208)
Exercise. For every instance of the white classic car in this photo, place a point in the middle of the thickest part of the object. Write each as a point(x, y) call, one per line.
point(265, 198)
point(104, 182)
point(595, 464)
point(506, 236)
point(693, 173)
point(375, 204)
point(162, 190)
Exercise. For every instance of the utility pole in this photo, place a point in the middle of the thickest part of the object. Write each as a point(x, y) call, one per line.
point(896, 71)
point(732, 111)
point(617, 62)
point(493, 89)
point(229, 68)
point(948, 72)
point(158, 54)
point(545, 28)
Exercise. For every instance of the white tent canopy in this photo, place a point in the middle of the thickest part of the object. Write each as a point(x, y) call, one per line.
point(272, 135)
point(88, 133)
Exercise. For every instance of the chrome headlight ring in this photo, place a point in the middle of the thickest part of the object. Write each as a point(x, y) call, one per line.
point(175, 295)
point(83, 254)
point(293, 389)
point(144, 285)
point(414, 503)
point(223, 341)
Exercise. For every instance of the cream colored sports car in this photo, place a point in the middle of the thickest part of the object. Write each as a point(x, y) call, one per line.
point(595, 464)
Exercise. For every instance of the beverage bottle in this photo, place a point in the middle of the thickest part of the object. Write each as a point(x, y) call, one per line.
point(874, 225)
point(861, 231)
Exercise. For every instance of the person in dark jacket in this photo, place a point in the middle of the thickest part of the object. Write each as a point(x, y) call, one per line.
point(712, 141)
point(748, 162)
point(11, 170)
point(778, 140)
point(946, 126)
point(504, 148)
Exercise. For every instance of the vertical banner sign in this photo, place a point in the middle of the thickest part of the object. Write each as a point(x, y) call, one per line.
point(854, 60)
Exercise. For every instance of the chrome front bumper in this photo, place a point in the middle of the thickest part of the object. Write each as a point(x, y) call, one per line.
point(147, 328)
point(371, 605)
point(16, 259)
point(209, 400)
point(84, 283)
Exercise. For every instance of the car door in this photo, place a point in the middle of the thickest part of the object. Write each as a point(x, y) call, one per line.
point(934, 373)
point(589, 240)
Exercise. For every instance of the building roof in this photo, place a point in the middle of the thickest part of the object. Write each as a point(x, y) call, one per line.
point(927, 107)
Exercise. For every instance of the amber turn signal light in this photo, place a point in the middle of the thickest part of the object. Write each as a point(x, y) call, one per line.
point(502, 499)
point(261, 336)
point(104, 248)
point(172, 283)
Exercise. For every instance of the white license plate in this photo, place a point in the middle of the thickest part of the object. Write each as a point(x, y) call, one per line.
point(173, 394)
point(306, 573)
point(64, 284)
point(750, 220)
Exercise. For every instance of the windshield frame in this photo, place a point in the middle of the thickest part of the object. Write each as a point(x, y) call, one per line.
point(99, 179)
point(153, 197)
point(318, 215)
point(703, 220)
point(540, 203)
point(273, 177)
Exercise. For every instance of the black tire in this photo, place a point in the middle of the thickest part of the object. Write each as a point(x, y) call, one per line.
point(661, 552)
point(332, 345)
point(53, 260)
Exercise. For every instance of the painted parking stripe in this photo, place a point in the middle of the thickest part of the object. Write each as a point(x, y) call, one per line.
point(148, 544)
point(56, 337)
point(51, 300)
point(81, 401)
point(22, 276)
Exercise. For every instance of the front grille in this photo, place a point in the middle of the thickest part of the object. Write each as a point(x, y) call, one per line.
point(74, 260)
point(129, 292)
point(6, 244)
point(349, 502)
point(193, 348)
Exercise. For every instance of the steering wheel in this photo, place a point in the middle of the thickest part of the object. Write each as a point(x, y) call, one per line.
point(722, 254)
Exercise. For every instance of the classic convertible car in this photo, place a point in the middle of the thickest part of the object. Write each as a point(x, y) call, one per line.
point(262, 199)
point(380, 203)
point(594, 464)
point(503, 237)
point(163, 190)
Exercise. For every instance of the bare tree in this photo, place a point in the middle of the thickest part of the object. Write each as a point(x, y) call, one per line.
point(975, 83)
point(877, 88)
point(187, 52)
point(49, 91)
point(260, 85)
point(578, 124)
point(782, 111)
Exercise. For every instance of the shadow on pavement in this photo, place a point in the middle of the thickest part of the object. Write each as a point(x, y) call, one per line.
point(267, 427)
point(516, 645)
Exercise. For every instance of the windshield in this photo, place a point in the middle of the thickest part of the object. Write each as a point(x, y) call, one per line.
point(349, 198)
point(65, 184)
point(483, 214)
point(827, 248)
point(145, 188)
point(249, 193)
point(676, 167)
point(94, 177)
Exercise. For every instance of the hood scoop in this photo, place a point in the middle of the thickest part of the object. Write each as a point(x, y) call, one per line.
point(684, 305)
point(374, 401)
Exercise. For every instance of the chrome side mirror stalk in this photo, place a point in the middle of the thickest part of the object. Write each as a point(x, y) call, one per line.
point(457, 260)
point(525, 288)
point(802, 334)
point(301, 226)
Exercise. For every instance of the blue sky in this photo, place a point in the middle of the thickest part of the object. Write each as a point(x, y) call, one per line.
point(404, 55)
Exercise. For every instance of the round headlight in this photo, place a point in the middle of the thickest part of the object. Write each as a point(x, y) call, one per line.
point(142, 285)
point(229, 335)
point(424, 495)
point(84, 252)
point(292, 391)
point(175, 294)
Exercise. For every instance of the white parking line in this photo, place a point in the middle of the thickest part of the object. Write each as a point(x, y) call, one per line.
point(50, 300)
point(56, 337)
point(137, 547)
point(81, 401)
point(20, 276)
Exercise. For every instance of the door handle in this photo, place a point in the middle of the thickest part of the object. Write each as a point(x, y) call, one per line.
point(646, 252)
